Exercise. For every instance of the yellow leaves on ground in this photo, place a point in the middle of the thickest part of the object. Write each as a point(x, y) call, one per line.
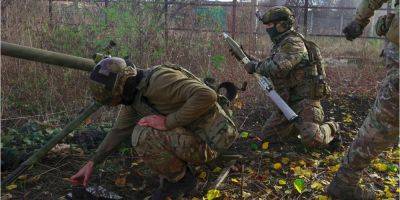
point(23, 177)
point(285, 160)
point(334, 169)
point(347, 118)
point(235, 181)
point(246, 194)
point(317, 186)
point(11, 187)
point(277, 166)
point(388, 193)
point(281, 182)
point(213, 194)
point(265, 145)
point(298, 171)
point(391, 181)
point(380, 167)
point(202, 175)
point(321, 197)
point(217, 170)
point(302, 162)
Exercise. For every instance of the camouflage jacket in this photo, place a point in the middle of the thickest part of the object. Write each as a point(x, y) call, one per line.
point(288, 67)
point(184, 100)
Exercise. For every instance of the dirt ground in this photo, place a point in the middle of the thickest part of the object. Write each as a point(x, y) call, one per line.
point(268, 173)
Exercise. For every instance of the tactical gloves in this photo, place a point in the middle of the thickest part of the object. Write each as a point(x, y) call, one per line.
point(353, 30)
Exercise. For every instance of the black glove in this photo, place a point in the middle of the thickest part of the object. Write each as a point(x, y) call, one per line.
point(353, 30)
point(251, 67)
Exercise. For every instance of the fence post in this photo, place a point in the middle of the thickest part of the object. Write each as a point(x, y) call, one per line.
point(166, 28)
point(51, 13)
point(253, 24)
point(305, 17)
point(234, 8)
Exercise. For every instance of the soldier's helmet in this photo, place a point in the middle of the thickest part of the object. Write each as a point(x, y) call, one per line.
point(107, 80)
point(278, 13)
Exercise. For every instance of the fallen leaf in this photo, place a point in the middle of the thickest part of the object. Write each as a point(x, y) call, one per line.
point(380, 167)
point(238, 104)
point(253, 146)
point(393, 168)
point(282, 182)
point(299, 185)
point(217, 170)
point(277, 166)
point(213, 194)
point(246, 194)
point(277, 187)
point(315, 154)
point(202, 175)
point(347, 119)
point(195, 198)
point(285, 160)
point(235, 181)
point(391, 181)
point(388, 193)
point(11, 187)
point(244, 134)
point(23, 177)
point(265, 145)
point(321, 197)
point(298, 171)
point(334, 169)
point(302, 162)
point(317, 185)
point(120, 181)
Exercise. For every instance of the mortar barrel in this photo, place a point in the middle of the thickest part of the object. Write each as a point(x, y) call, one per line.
point(48, 57)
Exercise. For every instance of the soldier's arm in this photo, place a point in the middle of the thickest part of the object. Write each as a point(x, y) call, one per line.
point(365, 10)
point(121, 131)
point(292, 52)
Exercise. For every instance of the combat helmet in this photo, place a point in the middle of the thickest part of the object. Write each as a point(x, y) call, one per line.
point(278, 13)
point(108, 78)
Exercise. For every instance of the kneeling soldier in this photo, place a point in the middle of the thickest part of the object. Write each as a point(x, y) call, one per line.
point(173, 118)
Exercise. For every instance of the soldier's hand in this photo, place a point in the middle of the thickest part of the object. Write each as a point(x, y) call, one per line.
point(83, 175)
point(353, 30)
point(155, 121)
point(251, 67)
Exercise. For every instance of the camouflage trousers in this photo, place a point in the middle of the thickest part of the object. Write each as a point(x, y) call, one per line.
point(169, 152)
point(312, 130)
point(379, 131)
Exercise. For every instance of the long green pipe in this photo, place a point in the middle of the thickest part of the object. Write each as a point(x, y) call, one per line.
point(40, 153)
point(44, 56)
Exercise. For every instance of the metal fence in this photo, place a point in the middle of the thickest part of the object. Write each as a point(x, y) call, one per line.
point(235, 17)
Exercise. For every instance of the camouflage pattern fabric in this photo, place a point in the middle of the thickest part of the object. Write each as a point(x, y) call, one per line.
point(380, 129)
point(168, 152)
point(294, 79)
point(312, 130)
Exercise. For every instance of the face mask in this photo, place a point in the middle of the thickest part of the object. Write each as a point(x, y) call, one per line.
point(272, 32)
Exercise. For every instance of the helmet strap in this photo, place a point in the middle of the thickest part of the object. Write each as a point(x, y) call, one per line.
point(130, 88)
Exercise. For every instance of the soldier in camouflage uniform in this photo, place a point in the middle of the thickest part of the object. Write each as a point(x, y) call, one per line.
point(173, 118)
point(380, 129)
point(296, 78)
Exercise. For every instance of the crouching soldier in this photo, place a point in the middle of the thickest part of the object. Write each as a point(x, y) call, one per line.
point(296, 70)
point(173, 118)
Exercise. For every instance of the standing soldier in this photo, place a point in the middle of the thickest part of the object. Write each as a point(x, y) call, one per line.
point(295, 68)
point(380, 129)
point(175, 120)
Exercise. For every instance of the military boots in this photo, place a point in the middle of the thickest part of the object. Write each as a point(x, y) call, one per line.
point(339, 189)
point(175, 190)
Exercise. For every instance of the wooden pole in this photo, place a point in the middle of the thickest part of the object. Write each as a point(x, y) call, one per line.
point(39, 154)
